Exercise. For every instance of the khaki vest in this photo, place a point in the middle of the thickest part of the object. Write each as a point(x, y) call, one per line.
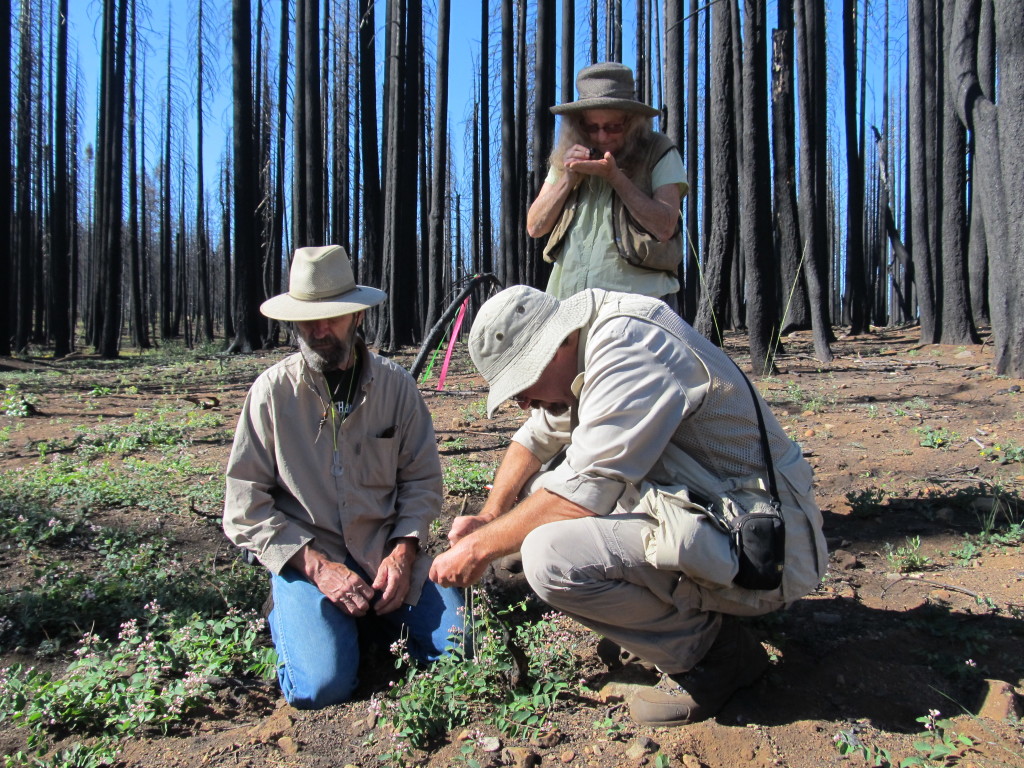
point(634, 243)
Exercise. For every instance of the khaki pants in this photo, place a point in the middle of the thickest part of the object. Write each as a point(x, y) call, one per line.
point(594, 570)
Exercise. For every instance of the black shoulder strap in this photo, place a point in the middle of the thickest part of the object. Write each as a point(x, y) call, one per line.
point(765, 448)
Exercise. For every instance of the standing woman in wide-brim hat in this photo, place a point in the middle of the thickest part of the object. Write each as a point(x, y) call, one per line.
point(610, 203)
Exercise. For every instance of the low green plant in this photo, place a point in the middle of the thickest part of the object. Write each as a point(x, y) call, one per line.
point(1010, 453)
point(164, 431)
point(30, 525)
point(907, 558)
point(1011, 536)
point(173, 485)
point(16, 403)
point(151, 677)
point(464, 477)
point(609, 727)
point(936, 437)
point(466, 754)
point(865, 503)
point(998, 517)
point(937, 743)
point(475, 411)
point(510, 679)
point(807, 401)
point(849, 743)
point(966, 552)
point(102, 752)
point(111, 574)
point(526, 711)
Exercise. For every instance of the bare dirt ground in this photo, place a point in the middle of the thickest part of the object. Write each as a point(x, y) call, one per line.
point(904, 440)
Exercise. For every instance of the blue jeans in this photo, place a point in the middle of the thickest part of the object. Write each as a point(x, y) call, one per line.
point(318, 645)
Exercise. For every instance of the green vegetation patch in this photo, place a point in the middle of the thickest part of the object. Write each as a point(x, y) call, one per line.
point(464, 477)
point(516, 674)
point(152, 676)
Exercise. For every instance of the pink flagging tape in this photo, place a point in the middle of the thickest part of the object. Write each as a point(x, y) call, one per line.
point(451, 344)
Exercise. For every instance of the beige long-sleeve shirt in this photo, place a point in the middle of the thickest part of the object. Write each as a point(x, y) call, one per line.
point(298, 475)
point(659, 405)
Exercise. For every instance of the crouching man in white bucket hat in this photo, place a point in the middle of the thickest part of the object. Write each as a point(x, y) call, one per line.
point(629, 534)
point(332, 483)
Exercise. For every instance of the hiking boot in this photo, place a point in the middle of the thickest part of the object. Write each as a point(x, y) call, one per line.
point(735, 660)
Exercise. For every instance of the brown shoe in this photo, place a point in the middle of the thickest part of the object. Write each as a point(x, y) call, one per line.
point(735, 660)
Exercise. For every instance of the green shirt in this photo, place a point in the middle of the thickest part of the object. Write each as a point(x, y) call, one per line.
point(589, 258)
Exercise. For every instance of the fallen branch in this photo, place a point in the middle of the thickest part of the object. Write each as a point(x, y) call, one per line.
point(931, 583)
point(951, 587)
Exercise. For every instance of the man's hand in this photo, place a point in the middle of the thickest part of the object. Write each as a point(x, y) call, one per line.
point(342, 586)
point(464, 525)
point(394, 576)
point(459, 566)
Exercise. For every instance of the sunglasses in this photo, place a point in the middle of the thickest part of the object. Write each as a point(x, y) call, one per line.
point(612, 129)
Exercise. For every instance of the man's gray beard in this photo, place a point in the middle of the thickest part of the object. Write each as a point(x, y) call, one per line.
point(319, 361)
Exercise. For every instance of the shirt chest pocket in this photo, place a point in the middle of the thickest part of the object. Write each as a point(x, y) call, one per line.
point(377, 461)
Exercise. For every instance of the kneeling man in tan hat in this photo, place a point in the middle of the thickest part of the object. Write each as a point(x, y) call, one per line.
point(679, 505)
point(332, 483)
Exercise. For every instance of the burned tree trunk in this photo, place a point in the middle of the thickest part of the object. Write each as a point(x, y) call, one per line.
point(810, 18)
point(795, 314)
point(755, 195)
point(921, 158)
point(723, 191)
point(247, 266)
point(998, 127)
point(438, 201)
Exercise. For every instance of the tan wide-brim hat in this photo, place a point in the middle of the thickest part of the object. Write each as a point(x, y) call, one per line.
point(321, 286)
point(516, 334)
point(607, 85)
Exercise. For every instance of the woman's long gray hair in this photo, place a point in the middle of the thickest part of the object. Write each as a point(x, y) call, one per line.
point(637, 130)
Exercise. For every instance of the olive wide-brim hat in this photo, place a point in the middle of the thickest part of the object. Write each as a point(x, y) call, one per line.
point(607, 85)
point(516, 335)
point(321, 285)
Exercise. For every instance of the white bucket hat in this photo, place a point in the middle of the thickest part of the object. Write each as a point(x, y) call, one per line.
point(516, 334)
point(321, 286)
